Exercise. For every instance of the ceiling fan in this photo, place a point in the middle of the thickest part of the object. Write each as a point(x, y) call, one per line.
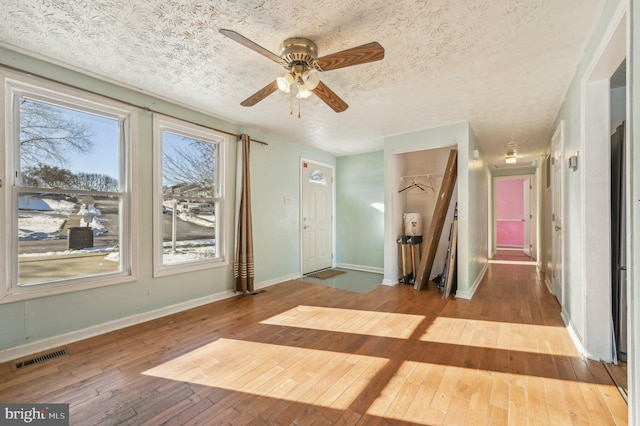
point(299, 56)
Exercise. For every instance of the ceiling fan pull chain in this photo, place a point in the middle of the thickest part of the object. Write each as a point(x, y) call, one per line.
point(299, 102)
point(291, 103)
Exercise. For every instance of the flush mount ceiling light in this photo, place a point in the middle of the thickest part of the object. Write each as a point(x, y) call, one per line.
point(511, 157)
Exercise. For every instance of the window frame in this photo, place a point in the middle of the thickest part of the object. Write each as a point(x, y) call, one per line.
point(162, 123)
point(12, 88)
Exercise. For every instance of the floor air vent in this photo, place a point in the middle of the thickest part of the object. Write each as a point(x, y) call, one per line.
point(258, 292)
point(38, 359)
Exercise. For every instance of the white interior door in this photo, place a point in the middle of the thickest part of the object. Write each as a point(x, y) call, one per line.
point(317, 217)
point(557, 161)
point(526, 216)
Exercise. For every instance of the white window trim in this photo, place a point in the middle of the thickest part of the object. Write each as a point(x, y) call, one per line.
point(9, 164)
point(163, 123)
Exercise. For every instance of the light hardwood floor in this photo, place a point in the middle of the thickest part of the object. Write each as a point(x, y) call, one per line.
point(306, 354)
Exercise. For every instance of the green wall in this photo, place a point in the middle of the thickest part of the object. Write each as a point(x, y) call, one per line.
point(360, 226)
point(472, 182)
point(275, 173)
point(573, 223)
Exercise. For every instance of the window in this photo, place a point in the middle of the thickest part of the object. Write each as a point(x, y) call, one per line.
point(317, 177)
point(189, 197)
point(68, 203)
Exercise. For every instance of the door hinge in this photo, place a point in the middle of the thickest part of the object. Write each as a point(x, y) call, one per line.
point(530, 216)
point(553, 217)
point(553, 161)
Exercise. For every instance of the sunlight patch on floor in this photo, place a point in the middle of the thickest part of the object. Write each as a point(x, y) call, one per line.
point(371, 323)
point(322, 378)
point(500, 335)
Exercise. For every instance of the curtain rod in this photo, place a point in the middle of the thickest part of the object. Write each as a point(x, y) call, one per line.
point(143, 107)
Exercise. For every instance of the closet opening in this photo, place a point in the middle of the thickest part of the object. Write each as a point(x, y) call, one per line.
point(419, 180)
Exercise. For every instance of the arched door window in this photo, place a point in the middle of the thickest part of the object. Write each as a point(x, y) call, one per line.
point(318, 177)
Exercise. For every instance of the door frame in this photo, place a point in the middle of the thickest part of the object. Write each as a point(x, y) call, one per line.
point(301, 208)
point(535, 220)
point(557, 194)
point(595, 151)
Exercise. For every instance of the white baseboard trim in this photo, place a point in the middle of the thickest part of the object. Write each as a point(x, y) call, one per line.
point(264, 284)
point(389, 282)
point(572, 332)
point(548, 283)
point(10, 354)
point(468, 294)
point(513, 262)
point(362, 268)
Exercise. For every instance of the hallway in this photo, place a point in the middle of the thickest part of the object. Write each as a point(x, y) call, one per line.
point(309, 354)
point(512, 255)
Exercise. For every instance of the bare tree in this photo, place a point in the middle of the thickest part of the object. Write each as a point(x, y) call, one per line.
point(46, 134)
point(97, 182)
point(46, 176)
point(190, 161)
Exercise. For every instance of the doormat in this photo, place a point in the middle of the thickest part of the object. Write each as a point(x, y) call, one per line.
point(327, 273)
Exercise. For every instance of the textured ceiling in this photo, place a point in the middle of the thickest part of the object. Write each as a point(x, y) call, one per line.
point(504, 66)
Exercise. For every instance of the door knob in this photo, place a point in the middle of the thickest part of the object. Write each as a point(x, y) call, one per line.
point(558, 228)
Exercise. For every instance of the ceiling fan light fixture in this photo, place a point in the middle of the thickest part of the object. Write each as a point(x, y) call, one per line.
point(311, 79)
point(284, 83)
point(303, 91)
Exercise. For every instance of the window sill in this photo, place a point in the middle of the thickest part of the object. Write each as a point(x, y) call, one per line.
point(34, 291)
point(183, 268)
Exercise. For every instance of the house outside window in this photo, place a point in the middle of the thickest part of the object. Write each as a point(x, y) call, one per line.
point(189, 197)
point(67, 191)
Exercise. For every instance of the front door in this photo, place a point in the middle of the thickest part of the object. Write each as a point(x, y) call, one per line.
point(317, 217)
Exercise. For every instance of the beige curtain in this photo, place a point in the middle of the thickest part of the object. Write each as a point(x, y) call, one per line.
point(243, 271)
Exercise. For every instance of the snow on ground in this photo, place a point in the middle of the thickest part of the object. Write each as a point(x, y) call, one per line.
point(186, 251)
point(39, 226)
point(209, 217)
point(35, 224)
point(198, 220)
point(113, 257)
point(190, 243)
point(96, 224)
point(26, 202)
point(188, 254)
point(90, 210)
point(98, 249)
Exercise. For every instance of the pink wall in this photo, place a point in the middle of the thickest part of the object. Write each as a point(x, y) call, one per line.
point(509, 212)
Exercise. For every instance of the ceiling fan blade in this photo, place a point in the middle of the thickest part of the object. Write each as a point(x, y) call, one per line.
point(330, 98)
point(251, 45)
point(260, 94)
point(369, 52)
